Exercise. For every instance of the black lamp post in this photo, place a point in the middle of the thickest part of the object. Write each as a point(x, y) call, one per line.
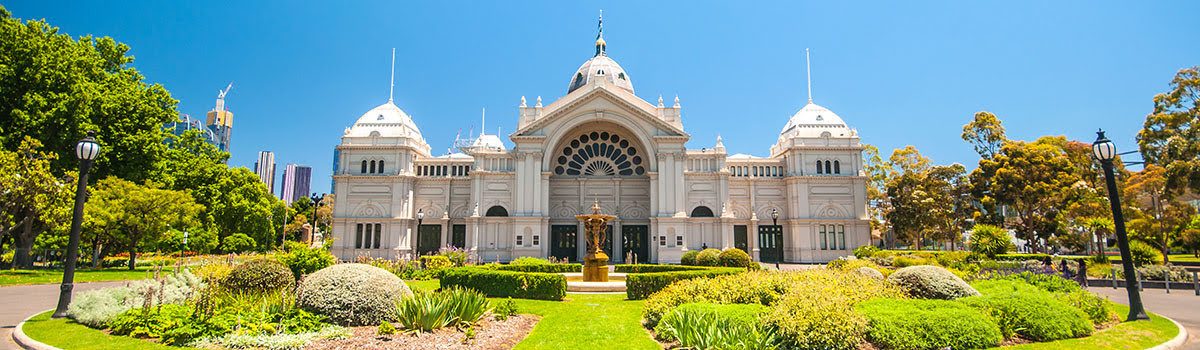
point(1104, 151)
point(420, 216)
point(778, 245)
point(316, 201)
point(86, 150)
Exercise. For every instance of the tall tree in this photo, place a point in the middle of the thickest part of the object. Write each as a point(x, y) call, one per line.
point(1028, 179)
point(985, 133)
point(32, 199)
point(141, 214)
point(1170, 137)
point(56, 88)
point(879, 172)
point(1147, 189)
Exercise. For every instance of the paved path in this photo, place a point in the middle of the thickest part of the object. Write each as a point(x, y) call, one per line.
point(19, 302)
point(1183, 306)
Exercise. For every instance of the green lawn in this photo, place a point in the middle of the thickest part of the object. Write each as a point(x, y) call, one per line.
point(1126, 335)
point(66, 334)
point(1184, 257)
point(17, 277)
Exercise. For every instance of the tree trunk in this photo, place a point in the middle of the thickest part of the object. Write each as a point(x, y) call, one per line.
point(96, 254)
point(132, 257)
point(22, 258)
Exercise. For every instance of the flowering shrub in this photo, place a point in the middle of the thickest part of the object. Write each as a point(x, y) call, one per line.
point(708, 257)
point(931, 282)
point(352, 294)
point(96, 308)
point(303, 259)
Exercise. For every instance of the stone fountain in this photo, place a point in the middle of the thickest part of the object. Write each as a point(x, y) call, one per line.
point(595, 263)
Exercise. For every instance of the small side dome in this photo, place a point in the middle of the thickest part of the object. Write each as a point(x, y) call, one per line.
point(488, 142)
point(815, 121)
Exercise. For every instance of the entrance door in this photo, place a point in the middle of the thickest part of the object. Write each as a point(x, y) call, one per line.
point(739, 238)
point(635, 239)
point(770, 243)
point(562, 242)
point(458, 236)
point(429, 239)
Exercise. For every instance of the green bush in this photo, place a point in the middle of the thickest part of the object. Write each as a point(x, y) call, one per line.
point(529, 260)
point(648, 268)
point(505, 309)
point(911, 260)
point(1160, 272)
point(989, 240)
point(708, 257)
point(426, 312)
point(237, 243)
point(385, 328)
point(259, 276)
point(1098, 310)
point(689, 258)
point(1143, 254)
point(1022, 309)
point(352, 294)
point(496, 283)
point(818, 310)
point(149, 322)
point(642, 285)
point(1049, 283)
point(95, 308)
point(739, 314)
point(863, 252)
point(713, 326)
point(545, 268)
point(734, 257)
point(914, 324)
point(757, 287)
point(931, 282)
point(303, 259)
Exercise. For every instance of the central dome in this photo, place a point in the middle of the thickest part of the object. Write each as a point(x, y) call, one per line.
point(601, 67)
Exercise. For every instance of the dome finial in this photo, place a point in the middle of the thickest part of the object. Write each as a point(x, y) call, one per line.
point(600, 44)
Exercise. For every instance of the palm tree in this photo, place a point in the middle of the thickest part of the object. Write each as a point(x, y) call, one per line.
point(1100, 227)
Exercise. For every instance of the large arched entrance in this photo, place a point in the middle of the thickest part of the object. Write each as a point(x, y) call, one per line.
point(605, 163)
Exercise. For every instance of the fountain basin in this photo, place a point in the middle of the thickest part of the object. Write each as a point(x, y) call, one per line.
point(575, 283)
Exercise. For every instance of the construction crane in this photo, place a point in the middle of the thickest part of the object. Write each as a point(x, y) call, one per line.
point(221, 94)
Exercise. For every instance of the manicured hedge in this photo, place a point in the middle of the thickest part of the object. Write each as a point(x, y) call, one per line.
point(544, 268)
point(648, 268)
point(1001, 257)
point(499, 283)
point(641, 285)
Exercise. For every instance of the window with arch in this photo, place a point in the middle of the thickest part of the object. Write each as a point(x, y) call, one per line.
point(819, 168)
point(702, 212)
point(381, 167)
point(837, 167)
point(372, 167)
point(599, 154)
point(496, 211)
point(828, 168)
point(364, 167)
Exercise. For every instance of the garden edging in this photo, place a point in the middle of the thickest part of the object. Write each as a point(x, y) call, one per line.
point(1176, 342)
point(25, 341)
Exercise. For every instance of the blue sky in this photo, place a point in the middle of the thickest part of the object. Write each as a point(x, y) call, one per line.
point(902, 73)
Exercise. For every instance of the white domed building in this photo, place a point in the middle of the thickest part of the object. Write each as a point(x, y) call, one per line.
point(804, 202)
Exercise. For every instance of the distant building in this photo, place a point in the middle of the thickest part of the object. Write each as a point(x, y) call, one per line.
point(265, 168)
point(186, 123)
point(220, 122)
point(336, 159)
point(296, 179)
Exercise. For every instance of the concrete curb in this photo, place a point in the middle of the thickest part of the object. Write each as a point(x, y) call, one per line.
point(25, 341)
point(1175, 343)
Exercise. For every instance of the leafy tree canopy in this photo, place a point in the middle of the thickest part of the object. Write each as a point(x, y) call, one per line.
point(1170, 137)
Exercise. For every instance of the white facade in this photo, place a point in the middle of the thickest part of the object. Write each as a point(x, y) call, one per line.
point(601, 143)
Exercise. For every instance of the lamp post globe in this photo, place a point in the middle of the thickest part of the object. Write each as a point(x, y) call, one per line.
point(1105, 151)
point(779, 245)
point(86, 150)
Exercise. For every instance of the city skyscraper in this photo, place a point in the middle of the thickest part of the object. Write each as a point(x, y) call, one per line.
point(265, 168)
point(186, 123)
point(296, 179)
point(220, 121)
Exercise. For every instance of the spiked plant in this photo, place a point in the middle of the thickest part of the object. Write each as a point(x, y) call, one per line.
point(467, 305)
point(425, 312)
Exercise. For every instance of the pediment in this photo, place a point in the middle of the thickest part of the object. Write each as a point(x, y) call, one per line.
point(600, 98)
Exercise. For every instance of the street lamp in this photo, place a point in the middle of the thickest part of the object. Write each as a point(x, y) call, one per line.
point(316, 200)
point(1104, 151)
point(778, 245)
point(86, 150)
point(420, 216)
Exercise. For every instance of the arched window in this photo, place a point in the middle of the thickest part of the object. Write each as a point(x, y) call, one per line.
point(364, 167)
point(372, 167)
point(600, 154)
point(497, 211)
point(381, 167)
point(819, 168)
point(702, 212)
point(837, 167)
point(827, 168)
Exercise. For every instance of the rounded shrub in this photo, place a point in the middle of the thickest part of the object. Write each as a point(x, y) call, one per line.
point(708, 257)
point(689, 257)
point(818, 311)
point(869, 272)
point(352, 294)
point(863, 252)
point(931, 282)
point(734, 257)
point(1143, 254)
point(928, 324)
point(259, 275)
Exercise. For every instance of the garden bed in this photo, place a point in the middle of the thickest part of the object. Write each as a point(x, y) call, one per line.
point(489, 334)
